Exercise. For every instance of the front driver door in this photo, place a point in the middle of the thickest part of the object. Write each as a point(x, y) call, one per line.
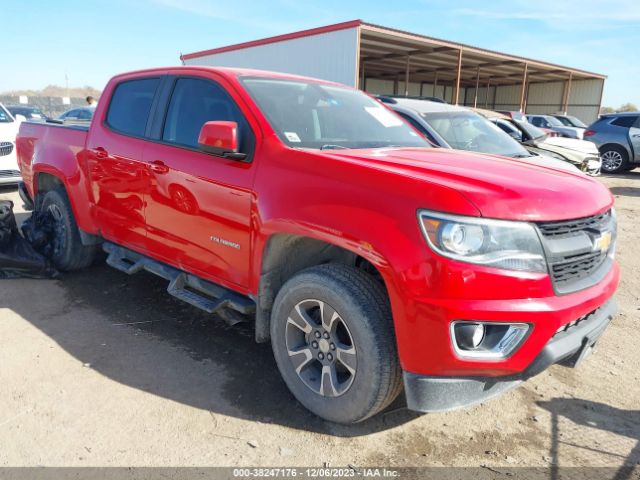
point(199, 205)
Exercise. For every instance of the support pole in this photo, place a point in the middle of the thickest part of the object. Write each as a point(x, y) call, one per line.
point(475, 98)
point(457, 92)
point(435, 85)
point(524, 87)
point(567, 94)
point(363, 81)
point(486, 93)
point(406, 77)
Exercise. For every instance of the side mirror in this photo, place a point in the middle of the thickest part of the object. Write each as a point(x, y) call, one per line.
point(220, 138)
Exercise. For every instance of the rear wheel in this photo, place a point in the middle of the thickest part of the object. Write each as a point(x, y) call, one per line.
point(333, 340)
point(614, 159)
point(68, 252)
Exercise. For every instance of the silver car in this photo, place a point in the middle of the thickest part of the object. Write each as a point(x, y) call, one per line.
point(617, 136)
point(552, 123)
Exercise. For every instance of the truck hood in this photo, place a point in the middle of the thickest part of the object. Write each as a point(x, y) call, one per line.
point(8, 131)
point(499, 187)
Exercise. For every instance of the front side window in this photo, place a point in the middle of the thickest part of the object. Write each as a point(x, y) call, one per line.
point(130, 105)
point(319, 116)
point(193, 103)
point(469, 131)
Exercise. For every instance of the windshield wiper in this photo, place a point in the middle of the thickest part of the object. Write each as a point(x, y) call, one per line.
point(522, 155)
point(333, 147)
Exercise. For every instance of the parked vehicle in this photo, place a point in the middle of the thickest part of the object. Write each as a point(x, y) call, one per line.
point(82, 114)
point(9, 173)
point(570, 121)
point(583, 154)
point(521, 117)
point(450, 126)
point(29, 112)
point(552, 123)
point(617, 136)
point(365, 256)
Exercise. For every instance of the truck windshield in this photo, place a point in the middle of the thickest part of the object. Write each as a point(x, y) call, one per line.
point(315, 115)
point(469, 131)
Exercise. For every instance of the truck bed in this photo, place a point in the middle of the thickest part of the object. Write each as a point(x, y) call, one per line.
point(63, 141)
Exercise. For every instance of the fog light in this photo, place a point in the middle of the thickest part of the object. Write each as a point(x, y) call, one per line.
point(469, 335)
point(487, 340)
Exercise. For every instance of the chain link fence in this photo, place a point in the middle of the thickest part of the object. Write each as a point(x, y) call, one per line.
point(51, 106)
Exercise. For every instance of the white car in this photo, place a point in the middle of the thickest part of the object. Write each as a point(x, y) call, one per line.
point(9, 171)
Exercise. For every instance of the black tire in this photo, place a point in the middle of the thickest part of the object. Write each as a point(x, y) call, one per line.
point(68, 251)
point(364, 321)
point(615, 159)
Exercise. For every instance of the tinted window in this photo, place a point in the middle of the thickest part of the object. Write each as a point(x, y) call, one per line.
point(130, 105)
point(626, 121)
point(195, 102)
point(85, 114)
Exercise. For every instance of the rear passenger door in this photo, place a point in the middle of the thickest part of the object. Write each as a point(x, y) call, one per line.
point(199, 204)
point(119, 177)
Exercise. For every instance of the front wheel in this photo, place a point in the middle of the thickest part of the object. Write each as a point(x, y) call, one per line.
point(333, 340)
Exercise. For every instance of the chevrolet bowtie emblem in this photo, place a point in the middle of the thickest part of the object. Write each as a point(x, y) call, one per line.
point(603, 242)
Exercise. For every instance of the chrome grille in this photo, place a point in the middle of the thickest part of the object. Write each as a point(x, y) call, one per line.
point(9, 173)
point(573, 250)
point(595, 223)
point(576, 268)
point(5, 148)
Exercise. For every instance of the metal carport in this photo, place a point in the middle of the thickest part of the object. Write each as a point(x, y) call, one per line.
point(383, 60)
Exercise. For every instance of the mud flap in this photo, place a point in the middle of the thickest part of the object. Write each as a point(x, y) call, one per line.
point(18, 257)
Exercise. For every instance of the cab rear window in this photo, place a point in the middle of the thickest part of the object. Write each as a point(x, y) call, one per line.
point(130, 106)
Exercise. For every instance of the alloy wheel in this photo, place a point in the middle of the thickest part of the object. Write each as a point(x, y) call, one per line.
point(611, 160)
point(321, 348)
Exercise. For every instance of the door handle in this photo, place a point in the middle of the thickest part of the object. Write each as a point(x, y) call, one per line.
point(158, 166)
point(637, 135)
point(100, 152)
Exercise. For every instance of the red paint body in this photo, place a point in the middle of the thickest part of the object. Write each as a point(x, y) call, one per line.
point(166, 202)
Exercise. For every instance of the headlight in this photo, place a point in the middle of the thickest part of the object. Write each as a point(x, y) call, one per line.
point(493, 243)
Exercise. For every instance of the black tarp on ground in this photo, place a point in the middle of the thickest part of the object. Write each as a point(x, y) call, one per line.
point(18, 258)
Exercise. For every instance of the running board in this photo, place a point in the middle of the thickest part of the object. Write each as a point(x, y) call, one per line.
point(189, 288)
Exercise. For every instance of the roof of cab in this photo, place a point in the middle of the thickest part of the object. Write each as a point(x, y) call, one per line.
point(226, 71)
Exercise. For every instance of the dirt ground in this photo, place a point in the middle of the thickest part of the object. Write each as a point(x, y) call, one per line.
point(103, 369)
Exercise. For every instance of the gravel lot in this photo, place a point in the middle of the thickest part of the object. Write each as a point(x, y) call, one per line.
point(102, 369)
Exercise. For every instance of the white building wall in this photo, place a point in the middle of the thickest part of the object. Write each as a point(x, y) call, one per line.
point(507, 97)
point(329, 56)
point(544, 98)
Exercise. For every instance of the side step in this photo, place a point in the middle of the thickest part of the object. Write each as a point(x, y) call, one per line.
point(189, 288)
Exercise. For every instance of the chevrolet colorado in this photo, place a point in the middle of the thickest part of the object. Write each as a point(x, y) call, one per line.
point(369, 260)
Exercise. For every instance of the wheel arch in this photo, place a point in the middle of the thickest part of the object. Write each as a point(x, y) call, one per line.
point(609, 145)
point(286, 254)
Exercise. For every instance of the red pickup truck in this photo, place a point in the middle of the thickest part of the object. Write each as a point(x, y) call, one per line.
point(369, 260)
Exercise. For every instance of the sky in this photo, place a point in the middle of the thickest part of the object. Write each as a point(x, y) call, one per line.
point(88, 41)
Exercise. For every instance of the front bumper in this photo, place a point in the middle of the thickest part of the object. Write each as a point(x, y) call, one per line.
point(10, 177)
point(568, 347)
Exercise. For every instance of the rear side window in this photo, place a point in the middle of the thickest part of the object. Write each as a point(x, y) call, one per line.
point(193, 103)
point(130, 105)
point(626, 121)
